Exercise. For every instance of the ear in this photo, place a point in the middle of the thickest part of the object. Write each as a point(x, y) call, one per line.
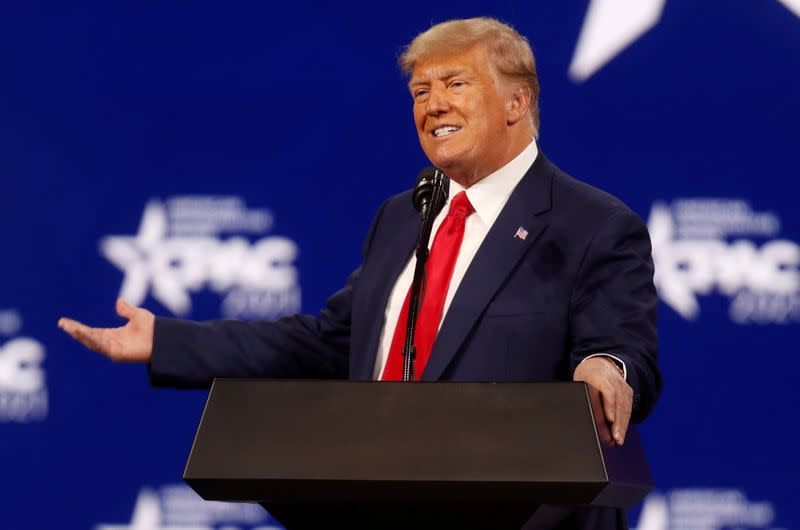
point(518, 102)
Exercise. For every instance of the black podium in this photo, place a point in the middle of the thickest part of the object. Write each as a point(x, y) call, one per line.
point(382, 455)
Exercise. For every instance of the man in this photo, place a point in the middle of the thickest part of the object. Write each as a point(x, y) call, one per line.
point(532, 275)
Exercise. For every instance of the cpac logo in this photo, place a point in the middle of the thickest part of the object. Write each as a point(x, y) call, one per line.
point(704, 509)
point(693, 257)
point(178, 250)
point(611, 26)
point(179, 508)
point(23, 395)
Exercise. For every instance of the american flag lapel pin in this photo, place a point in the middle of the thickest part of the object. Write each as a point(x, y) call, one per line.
point(521, 234)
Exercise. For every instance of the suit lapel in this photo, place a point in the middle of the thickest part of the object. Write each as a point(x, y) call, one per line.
point(493, 263)
point(390, 253)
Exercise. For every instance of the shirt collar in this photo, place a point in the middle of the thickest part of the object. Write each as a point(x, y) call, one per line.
point(490, 194)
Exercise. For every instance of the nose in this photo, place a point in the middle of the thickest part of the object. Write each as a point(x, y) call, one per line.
point(437, 103)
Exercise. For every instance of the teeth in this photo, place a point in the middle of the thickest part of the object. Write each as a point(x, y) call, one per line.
point(444, 131)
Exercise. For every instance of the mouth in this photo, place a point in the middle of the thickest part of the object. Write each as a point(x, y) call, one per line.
point(444, 130)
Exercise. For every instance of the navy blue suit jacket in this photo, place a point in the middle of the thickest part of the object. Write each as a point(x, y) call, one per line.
point(532, 309)
point(581, 282)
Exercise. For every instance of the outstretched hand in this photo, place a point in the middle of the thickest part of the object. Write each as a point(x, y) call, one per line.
point(132, 342)
point(611, 396)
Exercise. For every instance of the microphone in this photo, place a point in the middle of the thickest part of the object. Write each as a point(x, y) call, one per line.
point(429, 196)
point(429, 191)
point(423, 191)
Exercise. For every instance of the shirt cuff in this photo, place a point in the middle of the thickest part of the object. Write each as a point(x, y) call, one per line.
point(619, 362)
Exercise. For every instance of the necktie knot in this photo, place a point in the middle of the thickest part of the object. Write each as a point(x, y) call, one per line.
point(460, 207)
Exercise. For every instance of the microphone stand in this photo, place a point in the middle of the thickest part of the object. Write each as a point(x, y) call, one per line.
point(430, 209)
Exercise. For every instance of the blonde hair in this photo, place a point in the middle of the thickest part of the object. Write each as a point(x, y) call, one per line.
point(508, 51)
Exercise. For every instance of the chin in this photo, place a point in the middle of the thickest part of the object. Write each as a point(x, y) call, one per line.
point(443, 161)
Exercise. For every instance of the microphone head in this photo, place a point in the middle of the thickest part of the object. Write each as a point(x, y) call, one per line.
point(423, 191)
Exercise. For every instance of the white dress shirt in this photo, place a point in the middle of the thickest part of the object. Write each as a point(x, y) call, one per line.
point(488, 196)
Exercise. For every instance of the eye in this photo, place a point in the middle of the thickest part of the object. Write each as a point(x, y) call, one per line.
point(419, 94)
point(457, 84)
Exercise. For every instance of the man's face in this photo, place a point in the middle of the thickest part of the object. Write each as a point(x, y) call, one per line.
point(461, 115)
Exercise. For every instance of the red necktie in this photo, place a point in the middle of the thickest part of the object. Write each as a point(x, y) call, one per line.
point(438, 271)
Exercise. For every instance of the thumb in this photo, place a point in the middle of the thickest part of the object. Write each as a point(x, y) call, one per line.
point(124, 309)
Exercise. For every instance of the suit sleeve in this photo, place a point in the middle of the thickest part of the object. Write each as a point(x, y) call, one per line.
point(190, 354)
point(613, 305)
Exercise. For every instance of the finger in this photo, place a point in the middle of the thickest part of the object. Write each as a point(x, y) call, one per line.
point(623, 416)
point(68, 325)
point(613, 415)
point(603, 431)
point(89, 337)
point(609, 403)
point(124, 309)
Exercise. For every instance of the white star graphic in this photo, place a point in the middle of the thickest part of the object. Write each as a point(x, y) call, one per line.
point(611, 26)
point(672, 288)
point(144, 259)
point(147, 516)
point(792, 5)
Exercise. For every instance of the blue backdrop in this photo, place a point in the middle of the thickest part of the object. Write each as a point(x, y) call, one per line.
point(212, 160)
